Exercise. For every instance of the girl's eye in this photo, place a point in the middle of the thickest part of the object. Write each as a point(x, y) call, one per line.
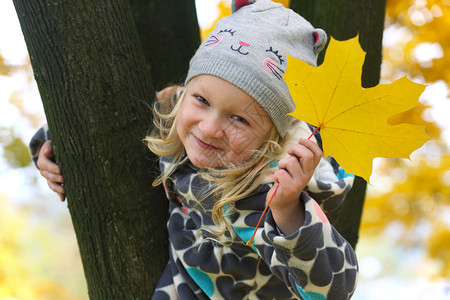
point(240, 119)
point(202, 100)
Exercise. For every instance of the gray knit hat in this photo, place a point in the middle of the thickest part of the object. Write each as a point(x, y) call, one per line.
point(248, 49)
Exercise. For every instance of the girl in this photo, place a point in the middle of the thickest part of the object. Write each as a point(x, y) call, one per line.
point(227, 147)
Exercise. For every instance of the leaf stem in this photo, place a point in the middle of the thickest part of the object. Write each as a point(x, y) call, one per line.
point(314, 132)
point(249, 243)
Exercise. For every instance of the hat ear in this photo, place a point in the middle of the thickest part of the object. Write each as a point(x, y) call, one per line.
point(320, 39)
point(236, 4)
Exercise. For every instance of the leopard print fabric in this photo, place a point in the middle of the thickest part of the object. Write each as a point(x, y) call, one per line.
point(315, 262)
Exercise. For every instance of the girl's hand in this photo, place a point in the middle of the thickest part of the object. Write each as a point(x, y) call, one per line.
point(294, 173)
point(51, 171)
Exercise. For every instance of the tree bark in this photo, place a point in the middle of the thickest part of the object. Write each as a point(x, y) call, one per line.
point(344, 20)
point(169, 35)
point(90, 69)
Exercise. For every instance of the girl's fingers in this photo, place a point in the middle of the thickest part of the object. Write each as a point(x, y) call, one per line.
point(300, 163)
point(57, 188)
point(292, 165)
point(62, 197)
point(51, 167)
point(45, 157)
point(46, 150)
point(283, 177)
point(285, 190)
point(295, 171)
point(308, 154)
point(52, 176)
point(51, 171)
point(310, 145)
point(314, 148)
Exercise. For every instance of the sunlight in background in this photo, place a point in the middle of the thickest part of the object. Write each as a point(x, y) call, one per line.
point(389, 270)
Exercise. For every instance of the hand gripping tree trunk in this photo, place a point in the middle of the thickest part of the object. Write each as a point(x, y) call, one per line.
point(90, 70)
point(344, 20)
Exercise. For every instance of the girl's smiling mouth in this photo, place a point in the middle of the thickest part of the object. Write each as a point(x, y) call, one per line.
point(204, 145)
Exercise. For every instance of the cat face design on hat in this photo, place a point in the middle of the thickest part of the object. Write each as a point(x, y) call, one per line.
point(273, 63)
point(249, 49)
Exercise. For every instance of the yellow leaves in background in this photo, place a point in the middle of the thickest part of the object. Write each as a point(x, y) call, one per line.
point(15, 268)
point(5, 69)
point(16, 99)
point(353, 120)
point(437, 245)
point(14, 150)
point(417, 42)
point(422, 28)
point(286, 3)
point(418, 198)
point(25, 259)
point(224, 10)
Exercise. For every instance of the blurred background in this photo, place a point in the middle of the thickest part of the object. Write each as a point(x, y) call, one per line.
point(404, 246)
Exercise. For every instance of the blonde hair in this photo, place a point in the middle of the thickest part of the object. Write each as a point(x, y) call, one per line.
point(232, 183)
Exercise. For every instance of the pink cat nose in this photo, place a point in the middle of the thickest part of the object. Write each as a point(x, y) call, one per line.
point(243, 44)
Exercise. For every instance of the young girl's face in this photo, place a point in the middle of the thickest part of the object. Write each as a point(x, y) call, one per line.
point(218, 123)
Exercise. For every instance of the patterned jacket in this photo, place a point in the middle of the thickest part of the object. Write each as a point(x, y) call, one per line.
point(315, 262)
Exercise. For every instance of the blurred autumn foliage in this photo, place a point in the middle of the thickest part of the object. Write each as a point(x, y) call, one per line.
point(416, 199)
point(13, 148)
point(32, 262)
point(415, 195)
point(422, 44)
point(5, 68)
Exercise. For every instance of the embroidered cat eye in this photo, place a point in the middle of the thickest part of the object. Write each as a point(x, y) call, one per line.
point(280, 57)
point(230, 31)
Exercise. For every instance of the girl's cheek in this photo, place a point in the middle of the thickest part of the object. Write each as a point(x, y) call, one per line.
point(245, 151)
point(179, 127)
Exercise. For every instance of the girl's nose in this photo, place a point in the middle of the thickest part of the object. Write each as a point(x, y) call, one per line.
point(212, 127)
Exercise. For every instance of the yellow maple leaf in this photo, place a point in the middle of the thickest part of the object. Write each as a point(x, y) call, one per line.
point(352, 119)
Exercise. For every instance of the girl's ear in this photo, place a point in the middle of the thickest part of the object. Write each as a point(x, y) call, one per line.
point(236, 4)
point(320, 40)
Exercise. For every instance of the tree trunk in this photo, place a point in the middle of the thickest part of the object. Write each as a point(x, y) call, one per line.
point(90, 69)
point(169, 35)
point(344, 20)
